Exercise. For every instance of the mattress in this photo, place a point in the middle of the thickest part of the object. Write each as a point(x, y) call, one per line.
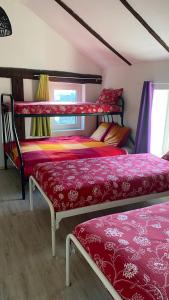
point(132, 250)
point(80, 183)
point(36, 151)
point(53, 108)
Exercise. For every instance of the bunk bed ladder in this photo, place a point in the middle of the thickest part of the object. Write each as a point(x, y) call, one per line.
point(4, 137)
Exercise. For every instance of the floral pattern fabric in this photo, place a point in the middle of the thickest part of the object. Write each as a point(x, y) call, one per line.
point(132, 250)
point(53, 108)
point(79, 183)
point(109, 96)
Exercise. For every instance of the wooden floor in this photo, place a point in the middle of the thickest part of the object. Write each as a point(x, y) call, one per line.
point(27, 269)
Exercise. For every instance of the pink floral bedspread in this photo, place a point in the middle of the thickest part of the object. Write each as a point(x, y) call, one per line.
point(132, 250)
point(54, 108)
point(79, 183)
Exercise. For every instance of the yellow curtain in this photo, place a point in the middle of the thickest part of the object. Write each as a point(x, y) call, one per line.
point(41, 126)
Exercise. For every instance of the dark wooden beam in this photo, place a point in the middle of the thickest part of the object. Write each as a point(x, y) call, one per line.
point(18, 94)
point(91, 30)
point(53, 75)
point(145, 24)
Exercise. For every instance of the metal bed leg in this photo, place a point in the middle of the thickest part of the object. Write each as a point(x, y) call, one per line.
point(5, 162)
point(22, 183)
point(53, 230)
point(23, 189)
point(31, 192)
point(68, 261)
point(54, 220)
point(122, 122)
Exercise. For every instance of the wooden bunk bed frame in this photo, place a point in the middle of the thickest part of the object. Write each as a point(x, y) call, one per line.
point(9, 117)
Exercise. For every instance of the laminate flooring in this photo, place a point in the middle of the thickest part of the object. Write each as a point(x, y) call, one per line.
point(27, 269)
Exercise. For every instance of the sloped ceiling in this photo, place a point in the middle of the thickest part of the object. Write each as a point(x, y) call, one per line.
point(114, 23)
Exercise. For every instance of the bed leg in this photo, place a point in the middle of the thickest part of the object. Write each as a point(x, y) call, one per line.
point(31, 185)
point(23, 188)
point(5, 162)
point(122, 121)
point(53, 241)
point(68, 261)
point(22, 183)
point(53, 231)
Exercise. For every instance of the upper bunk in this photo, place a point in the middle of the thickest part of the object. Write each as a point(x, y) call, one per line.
point(51, 109)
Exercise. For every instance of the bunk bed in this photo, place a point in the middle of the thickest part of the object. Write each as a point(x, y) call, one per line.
point(15, 149)
point(128, 251)
point(76, 187)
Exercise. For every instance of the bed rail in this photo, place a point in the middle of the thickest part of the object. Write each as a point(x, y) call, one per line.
point(10, 137)
point(109, 117)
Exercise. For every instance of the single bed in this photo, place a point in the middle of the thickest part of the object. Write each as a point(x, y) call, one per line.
point(91, 184)
point(128, 251)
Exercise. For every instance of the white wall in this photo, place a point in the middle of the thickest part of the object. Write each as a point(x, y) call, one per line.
point(35, 45)
point(131, 79)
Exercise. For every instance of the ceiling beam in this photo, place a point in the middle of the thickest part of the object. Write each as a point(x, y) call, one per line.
point(145, 24)
point(91, 30)
point(59, 76)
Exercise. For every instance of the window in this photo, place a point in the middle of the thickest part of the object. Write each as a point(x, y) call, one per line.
point(160, 121)
point(67, 93)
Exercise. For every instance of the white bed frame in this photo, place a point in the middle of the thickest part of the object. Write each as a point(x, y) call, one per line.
point(72, 239)
point(56, 217)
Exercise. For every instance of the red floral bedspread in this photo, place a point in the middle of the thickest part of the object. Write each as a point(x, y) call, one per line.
point(132, 250)
point(79, 183)
point(54, 108)
point(61, 148)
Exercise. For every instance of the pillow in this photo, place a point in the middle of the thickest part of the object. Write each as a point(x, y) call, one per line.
point(117, 135)
point(166, 156)
point(109, 96)
point(101, 131)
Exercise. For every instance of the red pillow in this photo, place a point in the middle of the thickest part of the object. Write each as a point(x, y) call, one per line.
point(109, 96)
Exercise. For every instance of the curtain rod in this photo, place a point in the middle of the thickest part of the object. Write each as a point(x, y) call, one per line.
point(71, 77)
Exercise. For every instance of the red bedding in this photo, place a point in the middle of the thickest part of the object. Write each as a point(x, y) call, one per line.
point(79, 183)
point(132, 250)
point(54, 108)
point(60, 148)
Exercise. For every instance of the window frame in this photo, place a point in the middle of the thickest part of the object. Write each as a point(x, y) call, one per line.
point(80, 89)
point(154, 150)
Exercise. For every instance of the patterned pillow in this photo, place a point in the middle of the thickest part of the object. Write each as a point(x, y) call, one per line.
point(109, 96)
point(101, 131)
point(117, 135)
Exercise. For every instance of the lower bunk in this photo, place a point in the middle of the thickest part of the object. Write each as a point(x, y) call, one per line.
point(81, 186)
point(54, 149)
point(128, 251)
